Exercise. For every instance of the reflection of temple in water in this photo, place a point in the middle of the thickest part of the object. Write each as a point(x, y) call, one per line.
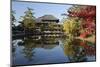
point(46, 43)
point(29, 44)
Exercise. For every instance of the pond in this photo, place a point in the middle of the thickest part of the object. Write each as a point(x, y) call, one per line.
point(47, 50)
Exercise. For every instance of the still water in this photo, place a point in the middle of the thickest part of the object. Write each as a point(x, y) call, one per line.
point(49, 50)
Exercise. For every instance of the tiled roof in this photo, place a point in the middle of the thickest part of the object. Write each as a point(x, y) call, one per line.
point(47, 18)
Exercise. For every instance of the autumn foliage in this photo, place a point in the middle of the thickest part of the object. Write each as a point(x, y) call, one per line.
point(81, 23)
point(88, 15)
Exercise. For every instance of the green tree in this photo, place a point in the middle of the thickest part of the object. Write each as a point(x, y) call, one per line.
point(28, 19)
point(71, 26)
point(13, 19)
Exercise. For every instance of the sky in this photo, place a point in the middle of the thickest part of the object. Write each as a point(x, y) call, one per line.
point(40, 9)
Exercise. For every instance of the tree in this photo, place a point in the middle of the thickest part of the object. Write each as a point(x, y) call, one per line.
point(72, 26)
point(88, 14)
point(80, 25)
point(28, 19)
point(13, 20)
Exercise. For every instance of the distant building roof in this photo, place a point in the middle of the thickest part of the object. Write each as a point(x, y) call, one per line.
point(47, 18)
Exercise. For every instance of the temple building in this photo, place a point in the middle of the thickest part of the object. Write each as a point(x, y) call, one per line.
point(48, 25)
point(44, 26)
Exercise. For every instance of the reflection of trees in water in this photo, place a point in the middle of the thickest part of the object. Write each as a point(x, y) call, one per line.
point(77, 52)
point(28, 50)
point(28, 53)
point(13, 49)
point(30, 44)
point(89, 48)
point(13, 54)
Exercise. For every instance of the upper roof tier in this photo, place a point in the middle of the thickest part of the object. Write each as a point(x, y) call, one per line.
point(47, 18)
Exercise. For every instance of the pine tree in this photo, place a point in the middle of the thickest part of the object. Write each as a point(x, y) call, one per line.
point(28, 20)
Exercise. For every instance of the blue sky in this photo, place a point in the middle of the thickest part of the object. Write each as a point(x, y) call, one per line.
point(40, 9)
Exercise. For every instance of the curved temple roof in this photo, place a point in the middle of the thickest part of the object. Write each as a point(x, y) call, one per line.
point(47, 18)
